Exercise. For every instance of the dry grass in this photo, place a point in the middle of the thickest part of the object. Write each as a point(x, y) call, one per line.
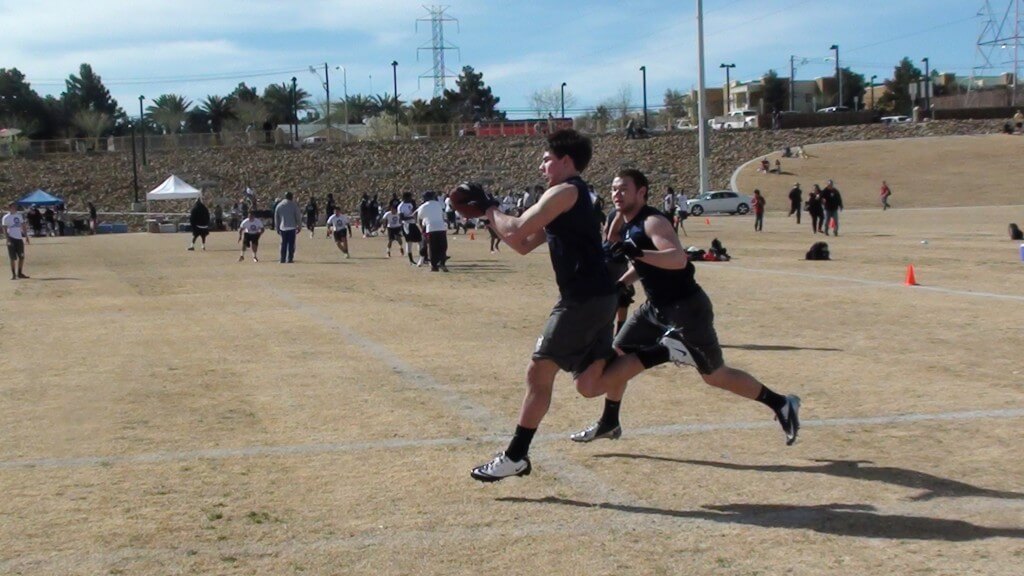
point(168, 412)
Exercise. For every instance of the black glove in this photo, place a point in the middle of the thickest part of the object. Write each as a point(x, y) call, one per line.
point(627, 249)
point(626, 293)
point(473, 194)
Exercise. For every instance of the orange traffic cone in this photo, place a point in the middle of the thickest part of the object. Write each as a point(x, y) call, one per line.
point(911, 280)
point(707, 221)
point(472, 235)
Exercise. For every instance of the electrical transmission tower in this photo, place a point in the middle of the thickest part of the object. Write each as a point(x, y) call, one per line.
point(999, 40)
point(437, 47)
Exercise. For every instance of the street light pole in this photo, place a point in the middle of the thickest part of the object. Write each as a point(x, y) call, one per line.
point(873, 90)
point(563, 100)
point(839, 76)
point(295, 109)
point(643, 69)
point(728, 94)
point(702, 124)
point(394, 78)
point(927, 92)
point(135, 168)
point(142, 126)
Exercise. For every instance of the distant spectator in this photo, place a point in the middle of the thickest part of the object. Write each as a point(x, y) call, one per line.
point(884, 195)
point(832, 200)
point(795, 199)
point(199, 222)
point(815, 209)
point(287, 221)
point(778, 166)
point(759, 203)
point(35, 221)
point(92, 217)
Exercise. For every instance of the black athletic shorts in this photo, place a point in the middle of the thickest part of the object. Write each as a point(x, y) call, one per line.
point(395, 234)
point(578, 333)
point(413, 234)
point(693, 315)
point(310, 222)
point(200, 232)
point(340, 234)
point(251, 240)
point(15, 248)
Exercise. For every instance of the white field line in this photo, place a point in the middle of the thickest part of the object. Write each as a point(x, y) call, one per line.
point(402, 444)
point(571, 474)
point(939, 289)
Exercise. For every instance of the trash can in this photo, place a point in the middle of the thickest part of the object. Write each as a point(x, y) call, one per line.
point(153, 226)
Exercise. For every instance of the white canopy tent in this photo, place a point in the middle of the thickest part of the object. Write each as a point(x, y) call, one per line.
point(173, 188)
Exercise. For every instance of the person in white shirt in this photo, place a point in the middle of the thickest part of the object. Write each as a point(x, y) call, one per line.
point(16, 234)
point(249, 232)
point(450, 216)
point(338, 225)
point(431, 213)
point(392, 222)
point(410, 229)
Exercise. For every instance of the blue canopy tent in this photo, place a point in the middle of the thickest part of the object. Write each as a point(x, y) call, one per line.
point(39, 198)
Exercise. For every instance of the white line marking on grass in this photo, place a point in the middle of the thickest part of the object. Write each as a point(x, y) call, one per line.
point(401, 444)
point(572, 474)
point(1012, 297)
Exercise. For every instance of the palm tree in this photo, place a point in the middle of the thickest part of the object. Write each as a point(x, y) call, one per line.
point(217, 110)
point(169, 111)
point(93, 123)
point(278, 99)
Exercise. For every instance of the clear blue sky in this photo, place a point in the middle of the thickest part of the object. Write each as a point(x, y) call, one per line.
point(196, 48)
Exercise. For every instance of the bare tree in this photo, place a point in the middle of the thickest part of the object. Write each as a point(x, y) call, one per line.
point(549, 101)
point(621, 102)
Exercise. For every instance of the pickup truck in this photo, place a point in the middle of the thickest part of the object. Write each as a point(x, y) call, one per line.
point(735, 120)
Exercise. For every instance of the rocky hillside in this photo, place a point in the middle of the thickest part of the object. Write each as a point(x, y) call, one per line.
point(385, 167)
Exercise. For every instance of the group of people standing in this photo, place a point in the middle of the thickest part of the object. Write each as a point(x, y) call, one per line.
point(823, 204)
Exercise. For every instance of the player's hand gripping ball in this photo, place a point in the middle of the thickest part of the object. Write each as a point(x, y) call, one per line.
point(470, 200)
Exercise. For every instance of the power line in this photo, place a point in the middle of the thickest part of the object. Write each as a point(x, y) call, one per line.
point(178, 79)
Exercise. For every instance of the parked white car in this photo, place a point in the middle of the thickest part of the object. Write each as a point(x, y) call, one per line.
point(719, 201)
point(889, 120)
point(735, 120)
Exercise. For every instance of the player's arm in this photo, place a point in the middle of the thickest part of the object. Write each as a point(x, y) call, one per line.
point(526, 232)
point(630, 276)
point(668, 252)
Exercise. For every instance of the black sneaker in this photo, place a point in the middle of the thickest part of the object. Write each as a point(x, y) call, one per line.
point(596, 432)
point(789, 418)
point(501, 467)
point(20, 275)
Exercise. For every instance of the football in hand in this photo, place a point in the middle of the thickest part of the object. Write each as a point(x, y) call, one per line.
point(470, 200)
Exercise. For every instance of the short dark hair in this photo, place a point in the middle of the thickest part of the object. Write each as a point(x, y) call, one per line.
point(568, 142)
point(287, 195)
point(638, 178)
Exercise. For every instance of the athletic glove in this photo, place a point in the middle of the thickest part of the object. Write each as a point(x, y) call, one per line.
point(626, 249)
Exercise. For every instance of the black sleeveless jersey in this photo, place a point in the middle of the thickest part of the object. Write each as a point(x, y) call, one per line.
point(662, 286)
point(574, 242)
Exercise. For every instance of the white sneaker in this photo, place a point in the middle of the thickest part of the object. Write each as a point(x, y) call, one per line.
point(388, 252)
point(789, 418)
point(678, 351)
point(501, 467)
point(419, 263)
point(594, 432)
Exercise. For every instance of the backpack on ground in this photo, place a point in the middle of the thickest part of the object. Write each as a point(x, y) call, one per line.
point(818, 251)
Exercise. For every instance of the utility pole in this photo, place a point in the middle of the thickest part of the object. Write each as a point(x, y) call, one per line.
point(839, 76)
point(728, 87)
point(326, 83)
point(792, 83)
point(563, 100)
point(873, 76)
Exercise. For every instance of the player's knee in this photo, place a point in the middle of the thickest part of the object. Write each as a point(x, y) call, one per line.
point(588, 386)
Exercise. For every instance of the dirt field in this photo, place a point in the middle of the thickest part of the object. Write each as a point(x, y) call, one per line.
point(171, 412)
